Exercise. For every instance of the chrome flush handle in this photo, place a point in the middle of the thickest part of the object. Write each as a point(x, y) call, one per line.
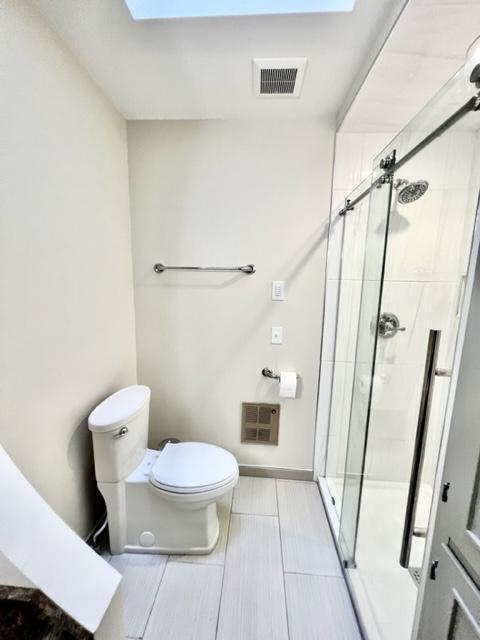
point(120, 433)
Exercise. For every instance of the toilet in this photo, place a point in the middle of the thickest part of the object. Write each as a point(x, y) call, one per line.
point(157, 501)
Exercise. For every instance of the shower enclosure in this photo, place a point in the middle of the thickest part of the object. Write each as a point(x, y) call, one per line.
point(407, 240)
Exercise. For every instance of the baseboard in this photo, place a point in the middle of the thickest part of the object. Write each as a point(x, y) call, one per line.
point(283, 473)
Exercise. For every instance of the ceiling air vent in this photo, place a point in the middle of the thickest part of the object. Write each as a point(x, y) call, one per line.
point(278, 77)
point(260, 423)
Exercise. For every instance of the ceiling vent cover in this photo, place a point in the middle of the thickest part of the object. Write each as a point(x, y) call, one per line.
point(278, 77)
point(260, 423)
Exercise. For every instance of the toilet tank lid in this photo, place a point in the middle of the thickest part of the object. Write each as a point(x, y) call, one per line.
point(119, 408)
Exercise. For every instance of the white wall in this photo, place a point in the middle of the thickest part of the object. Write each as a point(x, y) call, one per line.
point(66, 318)
point(229, 193)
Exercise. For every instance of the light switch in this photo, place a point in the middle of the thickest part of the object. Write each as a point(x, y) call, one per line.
point(278, 290)
point(277, 335)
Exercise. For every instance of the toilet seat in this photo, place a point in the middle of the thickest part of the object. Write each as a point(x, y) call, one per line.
point(193, 467)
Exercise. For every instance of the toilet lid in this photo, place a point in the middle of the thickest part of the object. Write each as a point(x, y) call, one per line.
point(191, 467)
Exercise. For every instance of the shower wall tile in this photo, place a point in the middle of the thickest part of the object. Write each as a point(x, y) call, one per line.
point(348, 161)
point(354, 155)
point(393, 420)
point(428, 239)
point(353, 250)
point(456, 220)
point(446, 163)
point(335, 242)
point(347, 325)
point(338, 199)
point(323, 417)
point(342, 388)
point(435, 430)
point(332, 293)
point(420, 306)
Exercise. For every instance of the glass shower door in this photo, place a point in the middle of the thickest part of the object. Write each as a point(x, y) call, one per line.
point(364, 370)
point(429, 241)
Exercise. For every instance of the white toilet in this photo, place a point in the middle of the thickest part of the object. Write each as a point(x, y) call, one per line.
point(157, 501)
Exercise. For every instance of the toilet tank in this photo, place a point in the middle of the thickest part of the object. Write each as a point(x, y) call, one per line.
point(119, 427)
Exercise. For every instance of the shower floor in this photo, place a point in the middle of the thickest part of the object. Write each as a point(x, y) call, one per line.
point(385, 591)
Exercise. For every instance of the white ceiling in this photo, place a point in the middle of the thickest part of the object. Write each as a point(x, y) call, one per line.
point(202, 68)
point(427, 46)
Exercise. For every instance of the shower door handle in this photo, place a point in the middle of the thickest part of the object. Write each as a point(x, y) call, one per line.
point(420, 442)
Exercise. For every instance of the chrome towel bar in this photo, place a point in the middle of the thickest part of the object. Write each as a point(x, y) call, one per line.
point(247, 269)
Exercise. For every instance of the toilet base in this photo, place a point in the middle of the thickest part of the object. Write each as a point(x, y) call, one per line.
point(191, 551)
point(145, 519)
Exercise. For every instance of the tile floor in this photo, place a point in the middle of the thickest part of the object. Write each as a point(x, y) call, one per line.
point(274, 575)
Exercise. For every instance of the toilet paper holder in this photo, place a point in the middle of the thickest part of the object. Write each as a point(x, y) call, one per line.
point(268, 373)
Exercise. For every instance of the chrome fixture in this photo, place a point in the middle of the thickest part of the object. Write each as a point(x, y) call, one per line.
point(268, 373)
point(163, 443)
point(248, 269)
point(410, 191)
point(419, 449)
point(391, 164)
point(120, 433)
point(389, 325)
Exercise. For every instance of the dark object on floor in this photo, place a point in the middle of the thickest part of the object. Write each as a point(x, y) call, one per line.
point(27, 614)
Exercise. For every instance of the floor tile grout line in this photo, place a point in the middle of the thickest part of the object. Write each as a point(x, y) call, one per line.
point(283, 563)
point(156, 595)
point(248, 513)
point(224, 565)
point(315, 575)
point(196, 564)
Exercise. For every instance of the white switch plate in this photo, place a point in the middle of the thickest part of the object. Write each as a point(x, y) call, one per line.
point(278, 290)
point(277, 335)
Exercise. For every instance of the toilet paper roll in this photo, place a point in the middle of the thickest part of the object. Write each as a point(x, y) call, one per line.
point(288, 384)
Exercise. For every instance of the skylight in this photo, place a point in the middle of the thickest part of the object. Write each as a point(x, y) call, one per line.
point(158, 9)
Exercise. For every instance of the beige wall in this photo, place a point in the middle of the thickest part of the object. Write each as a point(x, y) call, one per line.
point(66, 316)
point(223, 193)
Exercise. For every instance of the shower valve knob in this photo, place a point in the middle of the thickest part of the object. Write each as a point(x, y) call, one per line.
point(389, 325)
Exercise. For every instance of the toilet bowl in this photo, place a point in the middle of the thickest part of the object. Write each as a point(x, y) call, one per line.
point(157, 501)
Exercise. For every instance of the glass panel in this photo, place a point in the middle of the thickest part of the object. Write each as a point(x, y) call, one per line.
point(428, 250)
point(349, 287)
point(371, 289)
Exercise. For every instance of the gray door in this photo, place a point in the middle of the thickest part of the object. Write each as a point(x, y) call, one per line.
point(451, 607)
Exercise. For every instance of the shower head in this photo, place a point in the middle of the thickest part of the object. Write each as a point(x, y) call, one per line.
point(410, 191)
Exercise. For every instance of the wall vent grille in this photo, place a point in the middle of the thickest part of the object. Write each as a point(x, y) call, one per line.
point(260, 423)
point(278, 77)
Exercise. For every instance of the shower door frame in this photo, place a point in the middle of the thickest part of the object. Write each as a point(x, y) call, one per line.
point(389, 165)
point(386, 179)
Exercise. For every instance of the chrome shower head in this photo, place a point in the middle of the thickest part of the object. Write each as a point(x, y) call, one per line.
point(410, 191)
